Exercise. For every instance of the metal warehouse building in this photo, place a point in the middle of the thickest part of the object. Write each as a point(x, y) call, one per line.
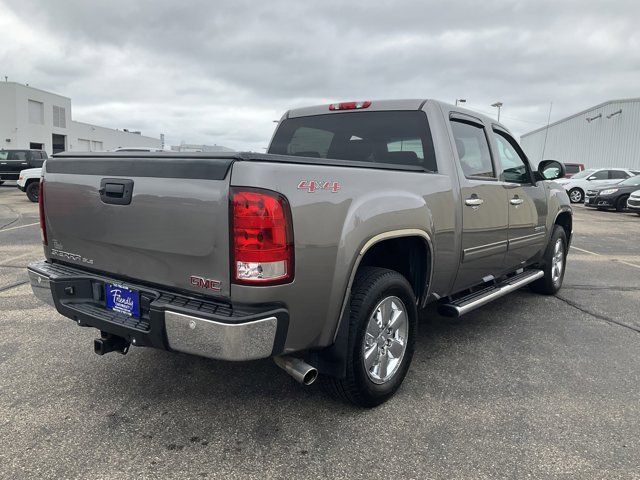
point(607, 135)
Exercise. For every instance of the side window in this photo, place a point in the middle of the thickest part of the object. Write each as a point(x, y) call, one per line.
point(618, 174)
point(600, 175)
point(473, 149)
point(572, 169)
point(310, 142)
point(18, 155)
point(514, 167)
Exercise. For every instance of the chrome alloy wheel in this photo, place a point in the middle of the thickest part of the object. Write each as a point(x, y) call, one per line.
point(385, 340)
point(576, 196)
point(557, 261)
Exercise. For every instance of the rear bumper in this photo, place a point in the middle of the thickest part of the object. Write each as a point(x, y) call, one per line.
point(169, 320)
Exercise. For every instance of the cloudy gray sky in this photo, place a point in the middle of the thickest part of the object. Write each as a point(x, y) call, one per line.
point(220, 72)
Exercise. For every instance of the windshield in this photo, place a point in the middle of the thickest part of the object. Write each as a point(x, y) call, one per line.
point(583, 174)
point(631, 182)
point(393, 137)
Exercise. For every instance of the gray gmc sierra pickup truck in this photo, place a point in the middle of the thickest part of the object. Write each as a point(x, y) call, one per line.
point(319, 253)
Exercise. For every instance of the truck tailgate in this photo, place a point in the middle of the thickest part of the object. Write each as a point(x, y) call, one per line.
point(174, 228)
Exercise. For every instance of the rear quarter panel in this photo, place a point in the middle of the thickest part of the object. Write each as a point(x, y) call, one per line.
point(331, 228)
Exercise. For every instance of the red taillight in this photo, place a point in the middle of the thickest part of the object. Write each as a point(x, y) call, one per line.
point(350, 105)
point(262, 236)
point(43, 226)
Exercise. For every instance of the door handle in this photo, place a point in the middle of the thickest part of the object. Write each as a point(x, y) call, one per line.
point(516, 201)
point(473, 201)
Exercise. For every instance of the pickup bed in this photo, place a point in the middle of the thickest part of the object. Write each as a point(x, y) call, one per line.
point(320, 253)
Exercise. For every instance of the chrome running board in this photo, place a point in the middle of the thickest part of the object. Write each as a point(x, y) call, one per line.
point(474, 300)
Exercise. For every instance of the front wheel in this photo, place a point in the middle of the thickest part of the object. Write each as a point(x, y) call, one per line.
point(621, 204)
point(576, 195)
point(554, 263)
point(382, 330)
point(33, 191)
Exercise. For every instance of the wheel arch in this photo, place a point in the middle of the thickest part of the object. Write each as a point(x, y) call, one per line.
point(418, 247)
point(383, 239)
point(332, 360)
point(564, 218)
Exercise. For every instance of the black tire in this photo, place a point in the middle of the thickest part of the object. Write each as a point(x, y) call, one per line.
point(576, 195)
point(621, 204)
point(371, 286)
point(546, 285)
point(33, 191)
point(1, 182)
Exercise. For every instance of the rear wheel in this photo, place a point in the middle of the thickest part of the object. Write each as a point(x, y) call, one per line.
point(621, 204)
point(382, 329)
point(554, 262)
point(576, 195)
point(32, 191)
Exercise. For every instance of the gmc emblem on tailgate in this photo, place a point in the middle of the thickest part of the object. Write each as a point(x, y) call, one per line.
point(205, 283)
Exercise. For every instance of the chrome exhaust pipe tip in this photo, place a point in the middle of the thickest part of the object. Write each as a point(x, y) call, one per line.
point(300, 370)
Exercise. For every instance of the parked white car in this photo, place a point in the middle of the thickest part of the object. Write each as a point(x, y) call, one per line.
point(633, 202)
point(577, 185)
point(29, 182)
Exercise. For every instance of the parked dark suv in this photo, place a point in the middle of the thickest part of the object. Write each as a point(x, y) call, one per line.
point(13, 161)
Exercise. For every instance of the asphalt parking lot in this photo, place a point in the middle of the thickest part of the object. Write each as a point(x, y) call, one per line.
point(528, 386)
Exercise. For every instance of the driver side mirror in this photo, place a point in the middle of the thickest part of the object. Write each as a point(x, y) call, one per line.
point(551, 170)
point(591, 178)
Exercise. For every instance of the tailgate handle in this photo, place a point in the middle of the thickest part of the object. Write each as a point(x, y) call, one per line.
point(114, 190)
point(117, 191)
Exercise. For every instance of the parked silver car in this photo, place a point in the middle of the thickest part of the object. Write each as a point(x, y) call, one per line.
point(633, 202)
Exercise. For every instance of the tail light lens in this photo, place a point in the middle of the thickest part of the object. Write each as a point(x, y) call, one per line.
point(43, 225)
point(262, 237)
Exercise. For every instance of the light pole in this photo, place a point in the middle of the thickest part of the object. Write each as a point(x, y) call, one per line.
point(498, 105)
point(460, 100)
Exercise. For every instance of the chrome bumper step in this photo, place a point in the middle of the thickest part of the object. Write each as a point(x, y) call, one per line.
point(474, 300)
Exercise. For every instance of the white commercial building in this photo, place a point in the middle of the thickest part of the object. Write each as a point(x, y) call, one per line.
point(190, 147)
point(36, 119)
point(607, 135)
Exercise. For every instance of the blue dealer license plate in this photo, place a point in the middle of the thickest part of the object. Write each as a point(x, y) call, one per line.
point(122, 299)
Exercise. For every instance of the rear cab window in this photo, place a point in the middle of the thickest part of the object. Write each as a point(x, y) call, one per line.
point(385, 137)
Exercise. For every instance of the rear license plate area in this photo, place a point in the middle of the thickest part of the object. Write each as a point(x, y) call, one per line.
point(122, 299)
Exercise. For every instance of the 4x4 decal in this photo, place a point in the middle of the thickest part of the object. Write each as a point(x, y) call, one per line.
point(313, 185)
